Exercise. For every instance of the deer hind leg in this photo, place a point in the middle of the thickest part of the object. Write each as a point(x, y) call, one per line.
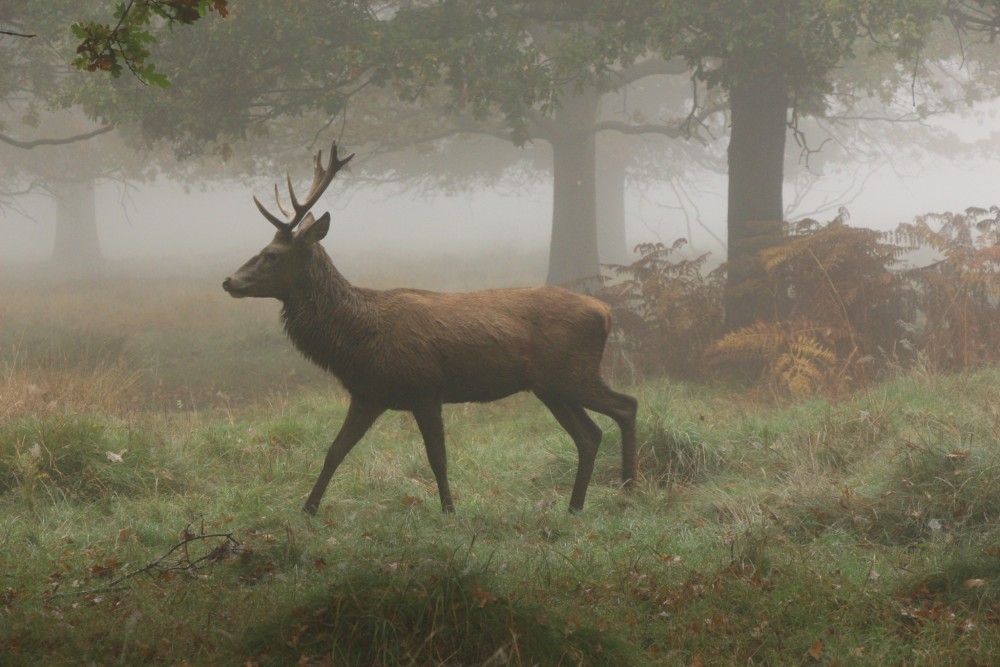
point(587, 438)
point(432, 429)
point(622, 408)
point(360, 417)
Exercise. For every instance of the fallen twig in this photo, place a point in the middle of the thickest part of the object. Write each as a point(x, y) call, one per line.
point(182, 562)
point(223, 550)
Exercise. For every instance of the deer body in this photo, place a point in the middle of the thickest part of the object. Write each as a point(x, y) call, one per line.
point(403, 346)
point(413, 350)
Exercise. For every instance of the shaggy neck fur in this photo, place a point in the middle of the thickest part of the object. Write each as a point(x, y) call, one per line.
point(325, 316)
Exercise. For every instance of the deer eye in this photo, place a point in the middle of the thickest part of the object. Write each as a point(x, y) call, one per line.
point(268, 256)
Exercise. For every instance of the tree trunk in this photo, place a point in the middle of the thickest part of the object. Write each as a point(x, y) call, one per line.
point(759, 110)
point(573, 250)
point(77, 249)
point(612, 242)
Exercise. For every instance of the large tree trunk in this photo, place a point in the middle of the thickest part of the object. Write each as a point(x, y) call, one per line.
point(759, 110)
point(573, 250)
point(612, 243)
point(77, 249)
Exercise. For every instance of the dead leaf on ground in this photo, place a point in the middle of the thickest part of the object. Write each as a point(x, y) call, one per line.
point(483, 597)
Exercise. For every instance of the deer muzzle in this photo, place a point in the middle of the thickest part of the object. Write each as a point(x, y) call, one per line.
point(234, 290)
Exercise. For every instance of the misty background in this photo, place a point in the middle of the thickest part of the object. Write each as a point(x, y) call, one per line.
point(169, 220)
point(449, 176)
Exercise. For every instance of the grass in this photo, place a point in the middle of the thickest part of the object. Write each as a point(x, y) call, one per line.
point(155, 452)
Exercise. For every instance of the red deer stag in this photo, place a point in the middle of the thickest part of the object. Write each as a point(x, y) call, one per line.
point(413, 350)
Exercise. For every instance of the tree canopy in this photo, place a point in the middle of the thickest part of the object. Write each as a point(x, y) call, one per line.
point(525, 70)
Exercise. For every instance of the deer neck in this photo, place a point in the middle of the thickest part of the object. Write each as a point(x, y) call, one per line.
point(327, 316)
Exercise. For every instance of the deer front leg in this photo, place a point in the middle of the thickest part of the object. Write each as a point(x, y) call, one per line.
point(360, 417)
point(431, 427)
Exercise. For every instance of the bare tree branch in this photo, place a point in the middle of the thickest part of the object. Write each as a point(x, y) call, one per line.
point(55, 142)
point(645, 68)
point(14, 33)
point(676, 129)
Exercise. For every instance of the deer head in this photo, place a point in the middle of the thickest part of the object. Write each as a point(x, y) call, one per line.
point(276, 270)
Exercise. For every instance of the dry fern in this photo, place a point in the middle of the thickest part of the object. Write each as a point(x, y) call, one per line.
point(960, 291)
point(791, 356)
point(846, 306)
point(667, 310)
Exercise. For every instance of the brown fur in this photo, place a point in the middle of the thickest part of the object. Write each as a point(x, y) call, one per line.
point(413, 350)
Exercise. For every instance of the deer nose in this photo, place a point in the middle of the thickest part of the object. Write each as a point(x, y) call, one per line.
point(225, 284)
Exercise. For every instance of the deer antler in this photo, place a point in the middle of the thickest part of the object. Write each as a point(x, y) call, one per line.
point(321, 180)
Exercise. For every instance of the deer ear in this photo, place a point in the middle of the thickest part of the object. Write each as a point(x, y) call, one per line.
point(313, 230)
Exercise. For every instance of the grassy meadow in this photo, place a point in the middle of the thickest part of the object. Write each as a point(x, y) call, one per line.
point(157, 440)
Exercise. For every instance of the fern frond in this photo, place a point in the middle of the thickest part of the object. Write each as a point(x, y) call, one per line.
point(752, 342)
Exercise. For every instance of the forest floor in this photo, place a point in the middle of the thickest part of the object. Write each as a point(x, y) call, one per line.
point(157, 440)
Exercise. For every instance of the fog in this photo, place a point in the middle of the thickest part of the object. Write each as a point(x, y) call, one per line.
point(178, 227)
point(883, 173)
point(165, 220)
